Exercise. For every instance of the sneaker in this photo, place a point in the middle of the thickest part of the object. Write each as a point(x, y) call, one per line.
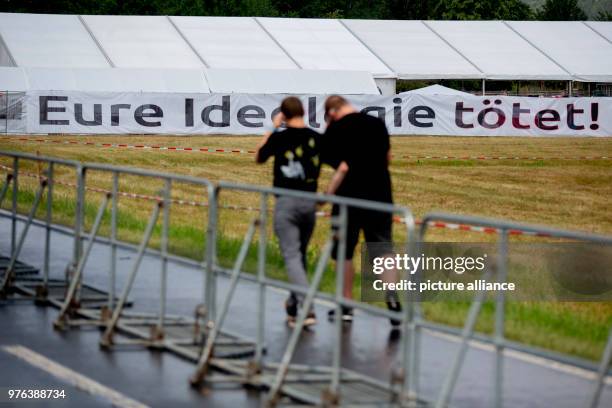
point(291, 307)
point(310, 320)
point(347, 314)
point(394, 306)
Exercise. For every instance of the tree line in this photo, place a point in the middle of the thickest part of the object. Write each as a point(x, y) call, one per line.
point(558, 10)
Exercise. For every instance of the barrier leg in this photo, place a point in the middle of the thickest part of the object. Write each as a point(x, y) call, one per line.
point(606, 360)
point(466, 335)
point(9, 270)
point(74, 283)
point(200, 373)
point(107, 337)
point(281, 373)
point(42, 291)
point(5, 187)
point(500, 314)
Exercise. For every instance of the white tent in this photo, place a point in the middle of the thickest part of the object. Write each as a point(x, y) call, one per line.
point(412, 50)
point(232, 42)
point(141, 42)
point(435, 90)
point(603, 28)
point(293, 81)
point(497, 50)
point(103, 79)
point(323, 44)
point(586, 55)
point(45, 40)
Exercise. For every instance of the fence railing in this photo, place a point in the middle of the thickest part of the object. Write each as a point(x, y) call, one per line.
point(276, 377)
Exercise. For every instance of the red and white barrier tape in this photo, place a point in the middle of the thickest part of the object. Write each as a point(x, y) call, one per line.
point(129, 146)
point(434, 224)
point(246, 151)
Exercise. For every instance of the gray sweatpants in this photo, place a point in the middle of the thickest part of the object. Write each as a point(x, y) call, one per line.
point(294, 221)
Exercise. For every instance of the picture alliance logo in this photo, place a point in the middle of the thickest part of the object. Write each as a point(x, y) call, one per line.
point(423, 263)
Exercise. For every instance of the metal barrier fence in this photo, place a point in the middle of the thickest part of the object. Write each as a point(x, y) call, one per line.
point(206, 342)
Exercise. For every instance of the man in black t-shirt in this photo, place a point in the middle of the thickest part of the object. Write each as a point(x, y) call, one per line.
point(296, 166)
point(357, 145)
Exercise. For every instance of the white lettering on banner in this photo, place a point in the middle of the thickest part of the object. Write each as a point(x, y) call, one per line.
point(160, 113)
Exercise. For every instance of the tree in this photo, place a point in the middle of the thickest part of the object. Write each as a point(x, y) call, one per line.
point(604, 16)
point(561, 10)
point(481, 10)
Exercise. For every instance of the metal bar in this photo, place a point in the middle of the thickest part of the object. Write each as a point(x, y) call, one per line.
point(6, 113)
point(211, 238)
point(164, 255)
point(14, 203)
point(514, 226)
point(107, 337)
point(342, 221)
point(216, 327)
point(261, 274)
point(76, 278)
point(500, 314)
point(78, 222)
point(283, 367)
point(11, 265)
point(113, 241)
point(602, 372)
point(48, 222)
point(466, 335)
point(5, 187)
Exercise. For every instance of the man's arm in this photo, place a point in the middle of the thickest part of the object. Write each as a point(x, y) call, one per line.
point(262, 156)
point(337, 178)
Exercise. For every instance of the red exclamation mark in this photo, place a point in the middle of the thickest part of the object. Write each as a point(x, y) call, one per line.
point(594, 114)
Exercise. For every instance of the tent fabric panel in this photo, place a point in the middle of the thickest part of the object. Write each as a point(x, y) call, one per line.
point(49, 40)
point(293, 81)
point(323, 44)
point(412, 50)
point(497, 50)
point(233, 42)
point(142, 42)
point(573, 45)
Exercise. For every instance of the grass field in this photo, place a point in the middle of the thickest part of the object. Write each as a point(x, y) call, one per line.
point(568, 193)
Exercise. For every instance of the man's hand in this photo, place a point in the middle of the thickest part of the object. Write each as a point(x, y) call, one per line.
point(278, 120)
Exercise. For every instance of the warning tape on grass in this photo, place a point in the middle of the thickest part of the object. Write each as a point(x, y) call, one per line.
point(251, 152)
point(399, 220)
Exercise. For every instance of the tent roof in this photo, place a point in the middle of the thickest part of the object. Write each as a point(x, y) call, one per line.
point(575, 46)
point(323, 44)
point(48, 40)
point(435, 90)
point(412, 49)
point(141, 42)
point(507, 50)
point(497, 50)
point(233, 42)
point(293, 81)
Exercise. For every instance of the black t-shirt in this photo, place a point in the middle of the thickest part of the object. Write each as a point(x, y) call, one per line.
point(362, 141)
point(296, 158)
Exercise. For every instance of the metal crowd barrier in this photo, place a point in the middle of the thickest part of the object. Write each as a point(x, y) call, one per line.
point(206, 342)
point(504, 229)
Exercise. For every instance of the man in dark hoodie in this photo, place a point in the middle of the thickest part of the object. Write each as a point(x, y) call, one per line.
point(358, 147)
